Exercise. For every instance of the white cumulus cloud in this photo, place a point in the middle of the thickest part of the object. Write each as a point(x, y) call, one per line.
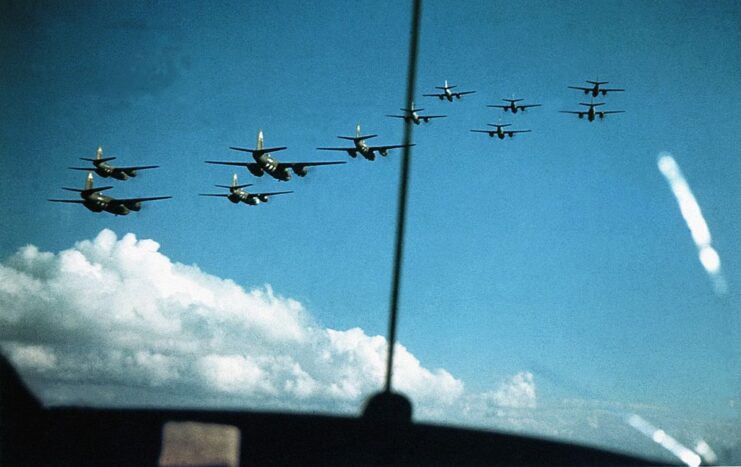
point(116, 313)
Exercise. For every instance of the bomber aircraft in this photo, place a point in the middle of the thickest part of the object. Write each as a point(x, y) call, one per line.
point(413, 116)
point(264, 163)
point(447, 93)
point(94, 201)
point(595, 89)
point(237, 194)
point(591, 113)
point(105, 170)
point(513, 106)
point(499, 132)
point(362, 148)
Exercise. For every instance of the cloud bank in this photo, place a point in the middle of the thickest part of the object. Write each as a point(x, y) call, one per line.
point(118, 314)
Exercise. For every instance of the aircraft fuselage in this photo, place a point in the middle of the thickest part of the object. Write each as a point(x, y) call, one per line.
point(105, 170)
point(271, 167)
point(241, 196)
point(362, 147)
point(97, 202)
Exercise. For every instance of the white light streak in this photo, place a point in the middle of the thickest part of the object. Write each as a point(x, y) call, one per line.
point(692, 215)
point(664, 440)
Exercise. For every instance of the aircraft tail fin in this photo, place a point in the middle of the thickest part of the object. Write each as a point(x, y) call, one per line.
point(234, 185)
point(88, 189)
point(357, 136)
point(259, 140)
point(99, 153)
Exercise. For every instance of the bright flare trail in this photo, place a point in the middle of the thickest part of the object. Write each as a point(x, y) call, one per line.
point(692, 214)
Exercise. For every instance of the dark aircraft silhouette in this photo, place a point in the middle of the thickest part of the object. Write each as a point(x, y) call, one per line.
point(499, 132)
point(264, 163)
point(591, 113)
point(94, 201)
point(237, 194)
point(595, 89)
point(362, 148)
point(411, 115)
point(513, 106)
point(105, 170)
point(447, 93)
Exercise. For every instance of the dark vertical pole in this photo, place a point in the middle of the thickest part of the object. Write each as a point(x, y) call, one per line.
point(401, 212)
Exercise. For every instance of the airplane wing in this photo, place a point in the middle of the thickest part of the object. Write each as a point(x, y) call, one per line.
point(517, 131)
point(611, 111)
point(499, 106)
point(271, 193)
point(463, 93)
point(523, 107)
point(434, 95)
point(572, 112)
point(300, 165)
point(81, 168)
point(258, 151)
point(393, 146)
point(76, 201)
point(221, 195)
point(136, 200)
point(579, 88)
point(337, 149)
point(140, 167)
point(399, 116)
point(484, 131)
point(239, 164)
point(610, 90)
point(424, 117)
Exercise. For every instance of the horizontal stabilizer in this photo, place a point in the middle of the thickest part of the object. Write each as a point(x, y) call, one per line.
point(592, 105)
point(357, 138)
point(235, 186)
point(75, 201)
point(104, 159)
point(258, 151)
point(499, 125)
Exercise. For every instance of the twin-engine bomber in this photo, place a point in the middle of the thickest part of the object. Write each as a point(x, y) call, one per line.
point(362, 148)
point(94, 201)
point(105, 170)
point(237, 194)
point(447, 93)
point(591, 114)
point(595, 88)
point(264, 163)
point(499, 131)
point(412, 115)
point(513, 105)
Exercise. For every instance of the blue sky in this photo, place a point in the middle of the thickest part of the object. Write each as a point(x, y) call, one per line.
point(561, 252)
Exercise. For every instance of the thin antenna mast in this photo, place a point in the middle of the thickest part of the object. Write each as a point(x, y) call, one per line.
point(404, 181)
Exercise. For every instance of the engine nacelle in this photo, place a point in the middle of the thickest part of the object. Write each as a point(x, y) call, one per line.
point(586, 91)
point(263, 198)
point(511, 135)
point(384, 152)
point(441, 97)
point(426, 119)
point(300, 170)
point(255, 170)
point(130, 172)
point(581, 115)
point(601, 115)
point(458, 96)
point(604, 93)
point(137, 206)
point(353, 153)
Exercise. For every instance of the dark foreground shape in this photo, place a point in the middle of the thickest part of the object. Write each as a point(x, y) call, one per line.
point(385, 435)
